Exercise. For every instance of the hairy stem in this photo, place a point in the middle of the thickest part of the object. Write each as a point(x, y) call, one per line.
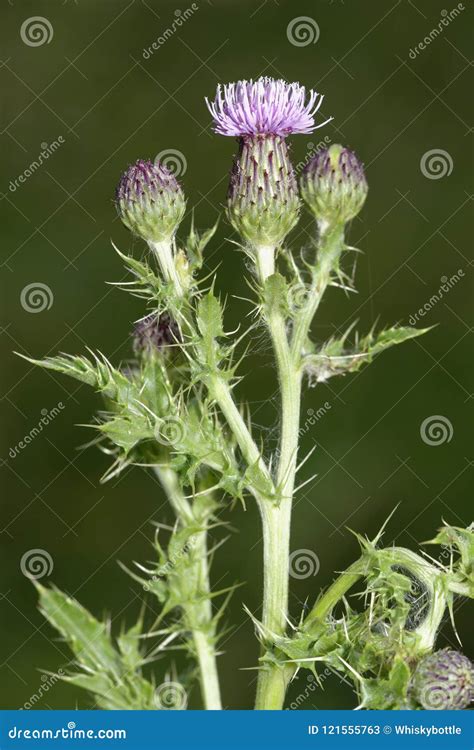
point(218, 387)
point(163, 252)
point(330, 246)
point(203, 641)
point(203, 637)
point(276, 518)
point(334, 593)
point(220, 391)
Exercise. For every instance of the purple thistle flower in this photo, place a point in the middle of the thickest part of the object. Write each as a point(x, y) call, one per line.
point(264, 107)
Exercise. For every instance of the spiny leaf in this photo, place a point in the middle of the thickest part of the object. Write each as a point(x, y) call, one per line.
point(87, 637)
point(99, 373)
point(333, 359)
point(112, 676)
point(147, 284)
point(196, 243)
point(209, 315)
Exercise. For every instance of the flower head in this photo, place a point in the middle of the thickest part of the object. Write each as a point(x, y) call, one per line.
point(264, 107)
point(444, 680)
point(262, 200)
point(333, 184)
point(155, 333)
point(150, 201)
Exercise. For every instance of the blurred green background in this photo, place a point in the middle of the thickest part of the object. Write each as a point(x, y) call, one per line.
point(92, 89)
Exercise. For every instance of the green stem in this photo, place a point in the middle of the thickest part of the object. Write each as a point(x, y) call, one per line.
point(220, 391)
point(163, 252)
point(276, 521)
point(276, 518)
point(218, 387)
point(203, 639)
point(201, 609)
point(334, 593)
point(331, 243)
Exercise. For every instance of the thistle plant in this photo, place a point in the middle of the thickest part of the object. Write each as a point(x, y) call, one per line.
point(172, 409)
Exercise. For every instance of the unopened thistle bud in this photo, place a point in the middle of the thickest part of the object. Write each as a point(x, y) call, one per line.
point(444, 681)
point(150, 201)
point(333, 185)
point(155, 333)
point(262, 200)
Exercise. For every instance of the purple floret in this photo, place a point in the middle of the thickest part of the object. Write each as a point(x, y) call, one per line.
point(264, 107)
point(145, 177)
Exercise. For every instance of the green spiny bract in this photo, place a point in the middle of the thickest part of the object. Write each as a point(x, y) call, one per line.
point(262, 201)
point(334, 186)
point(150, 201)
